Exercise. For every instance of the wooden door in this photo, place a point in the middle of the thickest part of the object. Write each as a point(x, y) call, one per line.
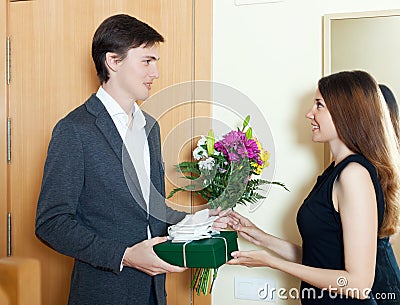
point(52, 73)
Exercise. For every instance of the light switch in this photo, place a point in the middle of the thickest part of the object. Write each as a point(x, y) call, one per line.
point(257, 289)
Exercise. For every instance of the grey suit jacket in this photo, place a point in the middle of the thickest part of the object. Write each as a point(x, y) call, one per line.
point(86, 210)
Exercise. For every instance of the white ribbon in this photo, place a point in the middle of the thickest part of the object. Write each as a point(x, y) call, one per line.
point(226, 246)
point(189, 241)
point(184, 252)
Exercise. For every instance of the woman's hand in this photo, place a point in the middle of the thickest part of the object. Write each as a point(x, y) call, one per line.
point(255, 258)
point(247, 229)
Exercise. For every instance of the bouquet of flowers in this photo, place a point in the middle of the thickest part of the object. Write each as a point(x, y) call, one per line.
point(223, 170)
point(223, 173)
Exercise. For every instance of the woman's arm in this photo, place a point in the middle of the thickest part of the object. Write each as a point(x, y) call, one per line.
point(255, 235)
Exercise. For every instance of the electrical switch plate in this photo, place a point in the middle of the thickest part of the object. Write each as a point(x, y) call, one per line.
point(256, 289)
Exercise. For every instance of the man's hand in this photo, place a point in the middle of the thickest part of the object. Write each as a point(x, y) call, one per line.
point(142, 257)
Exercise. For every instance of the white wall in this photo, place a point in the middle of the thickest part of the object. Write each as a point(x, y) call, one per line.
point(273, 53)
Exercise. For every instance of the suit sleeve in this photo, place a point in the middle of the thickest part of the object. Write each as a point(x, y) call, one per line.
point(57, 223)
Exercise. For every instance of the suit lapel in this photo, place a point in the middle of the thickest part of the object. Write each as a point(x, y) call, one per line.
point(106, 125)
point(156, 206)
point(152, 140)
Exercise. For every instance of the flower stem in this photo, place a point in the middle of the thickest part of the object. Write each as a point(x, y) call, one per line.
point(195, 278)
point(215, 273)
point(202, 278)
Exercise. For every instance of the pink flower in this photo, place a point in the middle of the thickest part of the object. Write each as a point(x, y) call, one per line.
point(235, 147)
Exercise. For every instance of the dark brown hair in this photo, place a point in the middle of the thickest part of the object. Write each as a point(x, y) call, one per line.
point(363, 123)
point(393, 108)
point(119, 34)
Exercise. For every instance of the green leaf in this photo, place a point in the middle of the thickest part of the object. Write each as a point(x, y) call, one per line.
point(246, 122)
point(172, 193)
point(188, 167)
point(249, 133)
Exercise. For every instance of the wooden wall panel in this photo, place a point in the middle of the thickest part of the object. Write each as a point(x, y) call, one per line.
point(39, 96)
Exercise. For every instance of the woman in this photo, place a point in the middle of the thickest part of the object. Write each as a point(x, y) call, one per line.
point(353, 202)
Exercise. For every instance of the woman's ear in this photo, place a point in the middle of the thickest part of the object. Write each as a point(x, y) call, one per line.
point(112, 60)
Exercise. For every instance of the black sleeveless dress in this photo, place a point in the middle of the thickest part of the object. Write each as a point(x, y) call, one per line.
point(321, 231)
point(386, 288)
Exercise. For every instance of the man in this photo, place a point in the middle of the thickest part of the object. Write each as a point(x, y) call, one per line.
point(97, 194)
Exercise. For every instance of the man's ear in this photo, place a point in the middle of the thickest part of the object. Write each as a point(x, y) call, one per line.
point(112, 60)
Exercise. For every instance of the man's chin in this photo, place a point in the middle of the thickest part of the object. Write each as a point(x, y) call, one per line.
point(144, 97)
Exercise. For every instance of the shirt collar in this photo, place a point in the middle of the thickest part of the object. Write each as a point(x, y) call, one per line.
point(115, 109)
point(111, 105)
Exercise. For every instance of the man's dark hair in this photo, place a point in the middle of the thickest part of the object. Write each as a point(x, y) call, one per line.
point(118, 34)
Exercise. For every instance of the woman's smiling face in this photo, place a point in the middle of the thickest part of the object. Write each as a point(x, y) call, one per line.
point(323, 128)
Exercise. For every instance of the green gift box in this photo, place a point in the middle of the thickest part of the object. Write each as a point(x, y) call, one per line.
point(205, 253)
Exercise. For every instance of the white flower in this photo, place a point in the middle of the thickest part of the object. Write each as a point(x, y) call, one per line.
point(199, 153)
point(207, 164)
point(202, 141)
point(216, 152)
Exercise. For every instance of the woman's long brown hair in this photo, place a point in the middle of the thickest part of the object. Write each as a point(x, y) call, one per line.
point(363, 123)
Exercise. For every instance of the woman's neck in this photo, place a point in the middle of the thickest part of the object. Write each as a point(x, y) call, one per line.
point(340, 151)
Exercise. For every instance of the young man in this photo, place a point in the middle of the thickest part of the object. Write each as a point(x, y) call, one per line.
point(102, 202)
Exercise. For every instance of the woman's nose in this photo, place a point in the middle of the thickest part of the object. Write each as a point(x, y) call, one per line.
point(310, 114)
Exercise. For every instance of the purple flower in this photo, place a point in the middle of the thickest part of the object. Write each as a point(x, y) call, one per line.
point(235, 146)
point(233, 157)
point(253, 151)
point(221, 170)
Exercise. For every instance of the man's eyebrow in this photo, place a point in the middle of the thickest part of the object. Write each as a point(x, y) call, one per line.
point(152, 57)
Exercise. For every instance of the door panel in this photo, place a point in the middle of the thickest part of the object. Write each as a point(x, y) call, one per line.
point(35, 105)
point(52, 73)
